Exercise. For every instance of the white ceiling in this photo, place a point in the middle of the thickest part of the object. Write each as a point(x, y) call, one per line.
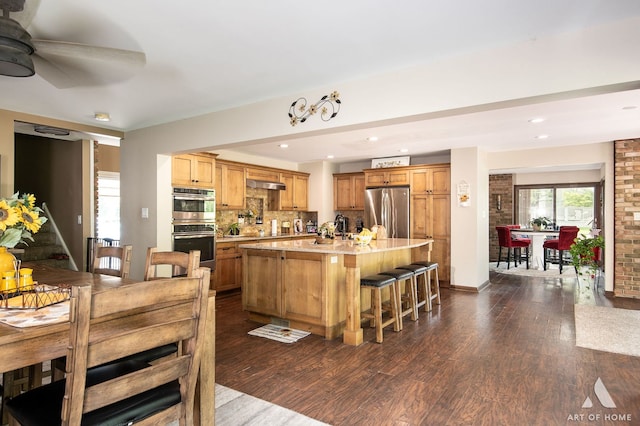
point(204, 56)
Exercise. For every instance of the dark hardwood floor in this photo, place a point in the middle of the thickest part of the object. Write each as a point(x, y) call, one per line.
point(505, 356)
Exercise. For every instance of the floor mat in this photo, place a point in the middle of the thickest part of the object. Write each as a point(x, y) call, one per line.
point(608, 329)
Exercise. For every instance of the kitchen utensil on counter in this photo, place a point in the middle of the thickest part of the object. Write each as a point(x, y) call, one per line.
point(342, 225)
point(286, 227)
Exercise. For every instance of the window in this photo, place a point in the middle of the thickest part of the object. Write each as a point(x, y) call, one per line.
point(108, 210)
point(562, 204)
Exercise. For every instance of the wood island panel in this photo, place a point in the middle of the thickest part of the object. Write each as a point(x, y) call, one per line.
point(316, 288)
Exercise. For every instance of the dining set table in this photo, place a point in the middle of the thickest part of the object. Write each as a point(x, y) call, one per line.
point(537, 240)
point(23, 346)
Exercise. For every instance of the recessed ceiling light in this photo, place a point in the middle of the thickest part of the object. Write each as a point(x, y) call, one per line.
point(283, 145)
point(630, 107)
point(536, 120)
point(404, 150)
point(330, 156)
point(372, 139)
point(542, 136)
point(102, 116)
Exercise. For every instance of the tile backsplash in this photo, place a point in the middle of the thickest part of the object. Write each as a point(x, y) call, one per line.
point(258, 202)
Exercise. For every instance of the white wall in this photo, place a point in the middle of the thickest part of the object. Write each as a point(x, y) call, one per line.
point(506, 73)
point(469, 224)
point(575, 176)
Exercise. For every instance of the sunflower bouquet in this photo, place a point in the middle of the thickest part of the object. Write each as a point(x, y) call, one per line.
point(19, 218)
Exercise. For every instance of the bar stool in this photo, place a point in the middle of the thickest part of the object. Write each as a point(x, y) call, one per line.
point(376, 283)
point(418, 271)
point(409, 295)
point(432, 289)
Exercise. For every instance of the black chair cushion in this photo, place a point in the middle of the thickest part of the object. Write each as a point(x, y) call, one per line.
point(429, 265)
point(153, 354)
point(42, 406)
point(377, 280)
point(416, 269)
point(399, 274)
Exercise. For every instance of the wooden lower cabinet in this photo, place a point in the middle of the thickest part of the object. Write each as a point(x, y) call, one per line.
point(228, 273)
point(262, 289)
point(299, 288)
point(431, 218)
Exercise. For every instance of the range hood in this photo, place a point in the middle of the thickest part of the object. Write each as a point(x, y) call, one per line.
point(264, 184)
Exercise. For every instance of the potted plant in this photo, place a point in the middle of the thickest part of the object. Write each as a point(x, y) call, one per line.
point(539, 223)
point(234, 229)
point(583, 253)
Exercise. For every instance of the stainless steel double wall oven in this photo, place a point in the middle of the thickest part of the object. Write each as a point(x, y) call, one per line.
point(194, 223)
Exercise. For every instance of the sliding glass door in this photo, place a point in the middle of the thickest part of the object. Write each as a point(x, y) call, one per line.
point(562, 204)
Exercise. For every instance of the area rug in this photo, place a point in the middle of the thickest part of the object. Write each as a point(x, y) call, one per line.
point(608, 329)
point(281, 334)
point(235, 408)
point(552, 270)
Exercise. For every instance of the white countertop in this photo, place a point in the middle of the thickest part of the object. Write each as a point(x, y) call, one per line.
point(240, 238)
point(339, 246)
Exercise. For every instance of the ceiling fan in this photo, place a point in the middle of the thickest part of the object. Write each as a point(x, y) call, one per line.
point(63, 64)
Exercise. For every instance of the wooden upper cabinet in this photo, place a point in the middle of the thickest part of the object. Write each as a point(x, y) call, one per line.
point(348, 191)
point(263, 174)
point(393, 176)
point(193, 170)
point(295, 196)
point(230, 186)
point(431, 180)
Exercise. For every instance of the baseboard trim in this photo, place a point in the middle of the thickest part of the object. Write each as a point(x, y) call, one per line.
point(471, 289)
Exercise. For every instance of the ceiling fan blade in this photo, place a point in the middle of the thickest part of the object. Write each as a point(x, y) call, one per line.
point(52, 73)
point(85, 51)
point(66, 65)
point(25, 17)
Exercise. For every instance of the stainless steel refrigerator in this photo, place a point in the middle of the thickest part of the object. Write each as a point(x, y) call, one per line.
point(388, 207)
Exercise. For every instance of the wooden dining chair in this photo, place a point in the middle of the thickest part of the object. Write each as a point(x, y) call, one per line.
point(110, 325)
point(180, 263)
point(107, 260)
point(112, 260)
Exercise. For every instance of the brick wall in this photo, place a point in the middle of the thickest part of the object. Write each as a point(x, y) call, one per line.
point(627, 231)
point(501, 185)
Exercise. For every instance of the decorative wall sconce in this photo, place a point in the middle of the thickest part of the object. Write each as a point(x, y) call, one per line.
point(298, 112)
point(499, 202)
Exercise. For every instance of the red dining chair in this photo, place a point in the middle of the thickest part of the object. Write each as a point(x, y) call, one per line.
point(564, 241)
point(512, 245)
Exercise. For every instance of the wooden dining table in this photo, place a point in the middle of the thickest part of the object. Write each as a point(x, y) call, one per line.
point(22, 347)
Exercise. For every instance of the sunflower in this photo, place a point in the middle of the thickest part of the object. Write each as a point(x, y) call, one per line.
point(30, 219)
point(8, 215)
point(29, 200)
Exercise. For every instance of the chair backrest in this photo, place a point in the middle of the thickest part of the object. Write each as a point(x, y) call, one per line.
point(566, 236)
point(504, 236)
point(118, 322)
point(182, 263)
point(110, 260)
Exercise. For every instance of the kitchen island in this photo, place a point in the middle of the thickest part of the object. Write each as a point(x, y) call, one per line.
point(316, 287)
